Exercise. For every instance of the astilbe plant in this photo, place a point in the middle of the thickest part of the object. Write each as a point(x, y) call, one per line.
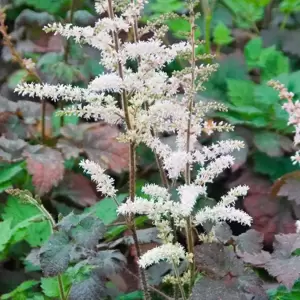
point(146, 102)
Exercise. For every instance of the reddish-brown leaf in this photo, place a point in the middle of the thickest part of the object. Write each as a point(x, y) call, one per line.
point(291, 190)
point(101, 145)
point(78, 189)
point(284, 266)
point(270, 216)
point(279, 183)
point(217, 261)
point(46, 166)
point(99, 142)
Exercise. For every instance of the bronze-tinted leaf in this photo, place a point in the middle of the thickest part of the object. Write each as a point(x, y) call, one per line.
point(98, 141)
point(46, 166)
point(217, 260)
point(78, 189)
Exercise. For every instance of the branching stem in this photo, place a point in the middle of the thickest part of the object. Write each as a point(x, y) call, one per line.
point(132, 157)
point(17, 57)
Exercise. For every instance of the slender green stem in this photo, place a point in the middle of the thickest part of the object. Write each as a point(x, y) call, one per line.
point(285, 19)
point(61, 288)
point(179, 285)
point(207, 26)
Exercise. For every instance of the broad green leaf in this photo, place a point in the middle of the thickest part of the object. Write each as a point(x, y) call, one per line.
point(252, 52)
point(36, 233)
point(5, 185)
point(165, 6)
point(274, 167)
point(50, 285)
point(26, 285)
point(246, 12)
point(240, 92)
point(10, 171)
point(5, 233)
point(137, 295)
point(106, 209)
point(16, 78)
point(282, 293)
point(289, 6)
point(67, 120)
point(32, 18)
point(51, 6)
point(268, 142)
point(179, 25)
point(222, 35)
point(48, 60)
point(273, 63)
point(265, 97)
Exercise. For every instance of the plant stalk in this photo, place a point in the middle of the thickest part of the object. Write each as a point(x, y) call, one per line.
point(162, 173)
point(181, 289)
point(66, 56)
point(132, 158)
point(189, 231)
point(17, 57)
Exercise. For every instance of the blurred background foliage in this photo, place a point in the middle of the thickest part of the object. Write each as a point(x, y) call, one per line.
point(253, 41)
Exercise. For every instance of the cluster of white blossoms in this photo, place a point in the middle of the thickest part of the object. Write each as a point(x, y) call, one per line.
point(293, 109)
point(153, 106)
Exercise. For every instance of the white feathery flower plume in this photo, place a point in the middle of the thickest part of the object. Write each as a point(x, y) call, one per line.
point(105, 184)
point(171, 253)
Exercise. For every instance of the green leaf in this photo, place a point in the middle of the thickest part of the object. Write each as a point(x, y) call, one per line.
point(10, 171)
point(268, 142)
point(48, 60)
point(106, 209)
point(178, 26)
point(274, 167)
point(5, 185)
point(55, 254)
point(55, 120)
point(32, 18)
point(273, 63)
point(246, 12)
point(137, 295)
point(282, 293)
point(5, 229)
point(36, 233)
point(252, 52)
point(265, 97)
point(165, 6)
point(51, 6)
point(289, 6)
point(16, 77)
point(26, 285)
point(240, 92)
point(222, 35)
point(50, 285)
